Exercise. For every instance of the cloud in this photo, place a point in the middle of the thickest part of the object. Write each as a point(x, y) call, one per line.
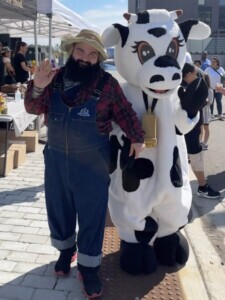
point(105, 16)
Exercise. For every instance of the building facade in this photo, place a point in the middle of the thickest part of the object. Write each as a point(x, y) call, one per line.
point(212, 12)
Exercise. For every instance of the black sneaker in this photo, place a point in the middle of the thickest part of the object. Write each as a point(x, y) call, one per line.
point(66, 257)
point(207, 192)
point(91, 284)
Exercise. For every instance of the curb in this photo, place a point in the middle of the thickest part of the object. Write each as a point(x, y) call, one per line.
point(190, 277)
point(203, 277)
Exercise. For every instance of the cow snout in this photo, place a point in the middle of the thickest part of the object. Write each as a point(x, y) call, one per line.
point(166, 61)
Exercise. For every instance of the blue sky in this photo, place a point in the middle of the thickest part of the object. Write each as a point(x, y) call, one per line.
point(100, 13)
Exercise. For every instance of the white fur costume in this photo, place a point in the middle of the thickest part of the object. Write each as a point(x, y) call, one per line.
point(149, 54)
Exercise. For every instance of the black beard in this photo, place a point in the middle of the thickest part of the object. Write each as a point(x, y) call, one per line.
point(78, 70)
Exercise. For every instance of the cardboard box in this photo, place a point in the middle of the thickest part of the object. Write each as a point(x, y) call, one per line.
point(29, 137)
point(19, 155)
point(8, 88)
point(9, 162)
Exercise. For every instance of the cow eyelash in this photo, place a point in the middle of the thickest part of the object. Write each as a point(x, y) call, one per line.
point(179, 41)
point(135, 47)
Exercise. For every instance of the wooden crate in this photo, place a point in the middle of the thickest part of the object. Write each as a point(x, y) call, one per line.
point(19, 155)
point(9, 163)
point(29, 137)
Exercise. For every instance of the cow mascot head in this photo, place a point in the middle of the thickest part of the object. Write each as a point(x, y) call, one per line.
point(150, 197)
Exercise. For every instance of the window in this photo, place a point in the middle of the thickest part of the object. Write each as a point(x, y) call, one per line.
point(222, 2)
point(205, 14)
point(221, 18)
point(138, 5)
point(201, 2)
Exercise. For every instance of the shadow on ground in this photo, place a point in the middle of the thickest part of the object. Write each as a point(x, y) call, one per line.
point(40, 283)
point(28, 194)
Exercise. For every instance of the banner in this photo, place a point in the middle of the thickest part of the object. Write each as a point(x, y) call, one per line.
point(44, 6)
point(18, 9)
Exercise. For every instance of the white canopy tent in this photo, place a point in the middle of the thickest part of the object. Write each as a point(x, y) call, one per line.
point(21, 9)
point(53, 20)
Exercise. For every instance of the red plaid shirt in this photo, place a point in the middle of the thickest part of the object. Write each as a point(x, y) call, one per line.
point(112, 106)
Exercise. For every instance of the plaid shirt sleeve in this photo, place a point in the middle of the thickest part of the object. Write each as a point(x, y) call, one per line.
point(41, 104)
point(124, 115)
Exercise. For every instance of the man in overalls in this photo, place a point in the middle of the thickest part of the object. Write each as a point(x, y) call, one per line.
point(80, 101)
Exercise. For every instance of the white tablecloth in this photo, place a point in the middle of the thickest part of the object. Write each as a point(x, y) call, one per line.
point(21, 119)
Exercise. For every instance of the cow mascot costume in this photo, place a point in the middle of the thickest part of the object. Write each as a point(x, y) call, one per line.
point(150, 197)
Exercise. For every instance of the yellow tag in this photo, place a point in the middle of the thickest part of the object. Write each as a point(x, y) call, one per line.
point(149, 125)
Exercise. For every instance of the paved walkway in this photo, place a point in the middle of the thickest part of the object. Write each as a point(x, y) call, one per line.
point(27, 258)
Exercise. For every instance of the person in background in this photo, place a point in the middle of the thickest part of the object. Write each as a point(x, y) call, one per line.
point(188, 57)
point(80, 101)
point(205, 62)
point(1, 67)
point(198, 63)
point(206, 116)
point(9, 71)
point(20, 64)
point(196, 88)
point(215, 71)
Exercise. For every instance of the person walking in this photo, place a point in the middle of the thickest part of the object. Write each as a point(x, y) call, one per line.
point(20, 64)
point(80, 101)
point(215, 71)
point(196, 88)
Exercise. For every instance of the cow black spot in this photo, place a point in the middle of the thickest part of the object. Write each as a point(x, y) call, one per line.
point(133, 170)
point(178, 131)
point(141, 168)
point(149, 231)
point(175, 172)
point(114, 148)
point(157, 32)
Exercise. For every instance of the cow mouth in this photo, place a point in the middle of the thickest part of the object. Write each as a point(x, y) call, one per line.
point(159, 91)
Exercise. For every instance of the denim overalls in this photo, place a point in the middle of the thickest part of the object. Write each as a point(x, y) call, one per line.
point(76, 178)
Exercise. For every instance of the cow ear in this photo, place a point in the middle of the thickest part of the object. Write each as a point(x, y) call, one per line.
point(194, 29)
point(113, 34)
point(175, 14)
point(110, 36)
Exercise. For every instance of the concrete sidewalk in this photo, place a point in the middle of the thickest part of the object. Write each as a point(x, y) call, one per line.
point(27, 259)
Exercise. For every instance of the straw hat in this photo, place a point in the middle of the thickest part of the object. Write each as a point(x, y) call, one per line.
point(5, 49)
point(89, 37)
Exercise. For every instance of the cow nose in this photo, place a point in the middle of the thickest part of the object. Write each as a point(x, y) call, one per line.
point(166, 61)
point(156, 78)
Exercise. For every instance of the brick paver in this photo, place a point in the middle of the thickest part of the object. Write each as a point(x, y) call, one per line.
point(26, 256)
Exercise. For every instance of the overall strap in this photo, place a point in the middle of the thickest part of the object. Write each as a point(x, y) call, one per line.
point(101, 83)
point(154, 101)
point(58, 83)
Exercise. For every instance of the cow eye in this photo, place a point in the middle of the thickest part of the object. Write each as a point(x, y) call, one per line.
point(145, 52)
point(173, 49)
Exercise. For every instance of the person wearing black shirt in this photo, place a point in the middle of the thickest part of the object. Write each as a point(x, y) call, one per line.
point(1, 67)
point(193, 97)
point(20, 64)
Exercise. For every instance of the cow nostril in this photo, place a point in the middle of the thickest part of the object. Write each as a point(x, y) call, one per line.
point(176, 76)
point(156, 78)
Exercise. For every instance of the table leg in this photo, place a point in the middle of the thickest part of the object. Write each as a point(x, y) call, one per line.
point(6, 148)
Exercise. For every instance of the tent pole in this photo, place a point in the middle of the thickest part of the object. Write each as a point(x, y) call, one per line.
point(36, 42)
point(50, 36)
